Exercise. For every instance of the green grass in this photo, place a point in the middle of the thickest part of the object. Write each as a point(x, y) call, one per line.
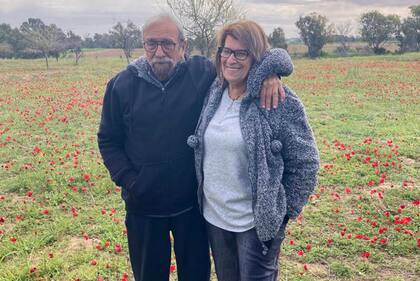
point(368, 106)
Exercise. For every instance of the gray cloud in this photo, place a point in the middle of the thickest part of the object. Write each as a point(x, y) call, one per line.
point(357, 2)
point(88, 17)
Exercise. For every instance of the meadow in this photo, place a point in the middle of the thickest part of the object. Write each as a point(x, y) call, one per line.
point(61, 217)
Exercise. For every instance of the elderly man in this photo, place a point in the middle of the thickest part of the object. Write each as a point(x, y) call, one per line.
point(149, 110)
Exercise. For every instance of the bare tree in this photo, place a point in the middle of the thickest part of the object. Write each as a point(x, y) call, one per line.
point(126, 38)
point(343, 30)
point(74, 44)
point(200, 19)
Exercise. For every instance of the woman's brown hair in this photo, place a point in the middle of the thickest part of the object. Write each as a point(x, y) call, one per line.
point(249, 33)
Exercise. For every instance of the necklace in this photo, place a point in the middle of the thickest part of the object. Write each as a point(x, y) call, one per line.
point(236, 98)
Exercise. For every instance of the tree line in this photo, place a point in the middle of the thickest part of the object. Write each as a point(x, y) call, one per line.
point(376, 29)
point(35, 39)
point(201, 18)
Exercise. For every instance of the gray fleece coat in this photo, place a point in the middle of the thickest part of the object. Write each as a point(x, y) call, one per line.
point(283, 157)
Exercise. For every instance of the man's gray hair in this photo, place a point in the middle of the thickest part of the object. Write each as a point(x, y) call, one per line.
point(162, 17)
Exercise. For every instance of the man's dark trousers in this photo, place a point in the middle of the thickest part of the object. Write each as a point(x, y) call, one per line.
point(150, 246)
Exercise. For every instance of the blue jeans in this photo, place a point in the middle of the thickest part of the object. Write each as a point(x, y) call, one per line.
point(240, 256)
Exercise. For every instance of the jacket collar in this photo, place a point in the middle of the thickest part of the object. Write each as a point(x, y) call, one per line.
point(142, 68)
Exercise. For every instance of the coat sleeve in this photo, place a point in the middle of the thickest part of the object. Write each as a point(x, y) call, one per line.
point(275, 61)
point(111, 138)
point(300, 155)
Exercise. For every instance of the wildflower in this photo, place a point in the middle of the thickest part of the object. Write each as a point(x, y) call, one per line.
point(117, 248)
point(36, 150)
point(383, 241)
point(86, 177)
point(365, 254)
point(382, 230)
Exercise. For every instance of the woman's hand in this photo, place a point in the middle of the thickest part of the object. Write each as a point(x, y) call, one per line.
point(271, 89)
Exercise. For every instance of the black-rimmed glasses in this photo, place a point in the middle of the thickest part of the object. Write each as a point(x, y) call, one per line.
point(238, 54)
point(152, 45)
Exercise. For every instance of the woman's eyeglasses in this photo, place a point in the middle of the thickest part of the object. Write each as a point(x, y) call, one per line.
point(238, 54)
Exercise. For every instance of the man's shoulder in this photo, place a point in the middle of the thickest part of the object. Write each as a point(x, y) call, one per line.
point(197, 61)
point(202, 71)
point(123, 78)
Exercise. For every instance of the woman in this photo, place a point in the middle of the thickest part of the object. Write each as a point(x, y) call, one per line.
point(256, 168)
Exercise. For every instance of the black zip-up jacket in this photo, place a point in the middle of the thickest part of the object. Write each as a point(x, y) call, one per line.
point(143, 131)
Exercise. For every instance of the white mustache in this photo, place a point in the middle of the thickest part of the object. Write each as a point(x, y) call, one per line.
point(161, 60)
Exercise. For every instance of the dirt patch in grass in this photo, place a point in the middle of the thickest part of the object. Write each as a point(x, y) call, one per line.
point(14, 197)
point(407, 161)
point(79, 243)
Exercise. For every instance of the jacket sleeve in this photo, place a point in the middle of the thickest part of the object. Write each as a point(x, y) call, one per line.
point(275, 61)
point(111, 140)
point(300, 155)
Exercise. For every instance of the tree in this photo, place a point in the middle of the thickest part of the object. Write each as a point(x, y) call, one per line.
point(58, 38)
point(277, 38)
point(408, 34)
point(314, 32)
point(127, 38)
point(200, 18)
point(88, 42)
point(12, 38)
point(41, 37)
point(415, 11)
point(377, 28)
point(103, 40)
point(74, 44)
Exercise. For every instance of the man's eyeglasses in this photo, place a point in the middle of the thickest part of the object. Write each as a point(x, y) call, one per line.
point(152, 45)
point(238, 54)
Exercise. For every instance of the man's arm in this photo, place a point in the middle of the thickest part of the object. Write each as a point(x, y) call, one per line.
point(111, 137)
point(272, 87)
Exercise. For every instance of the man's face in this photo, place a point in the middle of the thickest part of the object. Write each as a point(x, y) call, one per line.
point(163, 48)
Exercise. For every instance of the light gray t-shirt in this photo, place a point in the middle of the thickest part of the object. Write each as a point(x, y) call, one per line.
point(227, 200)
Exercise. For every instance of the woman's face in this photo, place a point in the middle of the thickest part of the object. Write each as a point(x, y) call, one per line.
point(235, 71)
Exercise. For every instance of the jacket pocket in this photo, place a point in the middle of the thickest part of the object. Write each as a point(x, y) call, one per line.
point(150, 185)
point(182, 181)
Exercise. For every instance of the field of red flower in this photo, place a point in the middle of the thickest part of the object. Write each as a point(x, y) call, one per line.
point(61, 217)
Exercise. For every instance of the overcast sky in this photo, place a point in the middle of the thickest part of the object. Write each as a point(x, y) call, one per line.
point(86, 17)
